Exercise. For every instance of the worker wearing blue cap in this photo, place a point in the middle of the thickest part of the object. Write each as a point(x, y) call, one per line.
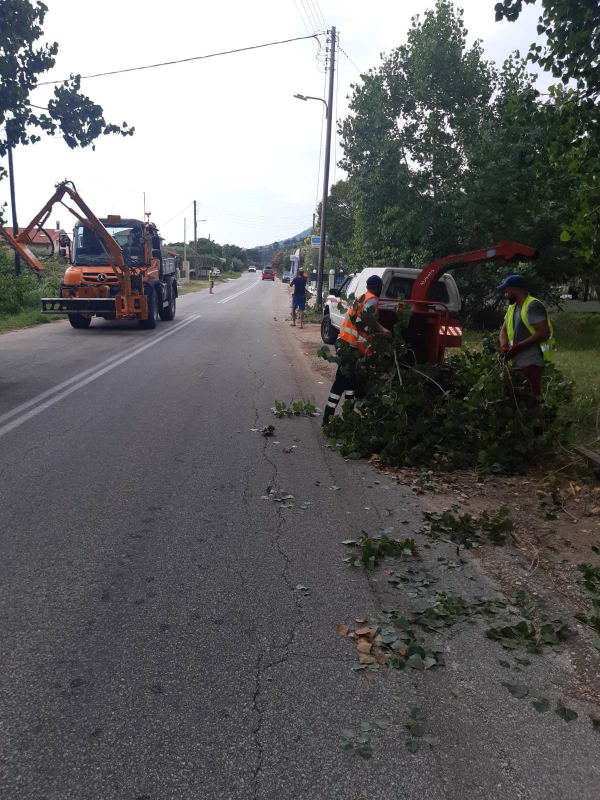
point(527, 338)
point(357, 330)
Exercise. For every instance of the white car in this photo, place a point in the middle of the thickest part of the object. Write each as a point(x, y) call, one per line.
point(397, 283)
point(251, 269)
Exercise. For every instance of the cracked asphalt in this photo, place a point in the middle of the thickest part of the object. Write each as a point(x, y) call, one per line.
point(155, 643)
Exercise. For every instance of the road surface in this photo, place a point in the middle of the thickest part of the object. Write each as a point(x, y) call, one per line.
point(157, 643)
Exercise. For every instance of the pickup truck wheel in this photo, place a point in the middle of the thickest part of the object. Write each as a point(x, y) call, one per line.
point(152, 321)
point(168, 313)
point(79, 321)
point(328, 333)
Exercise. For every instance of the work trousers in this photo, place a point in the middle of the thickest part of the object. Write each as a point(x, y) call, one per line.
point(343, 384)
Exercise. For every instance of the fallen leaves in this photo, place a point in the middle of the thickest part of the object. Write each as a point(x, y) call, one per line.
point(342, 629)
point(268, 430)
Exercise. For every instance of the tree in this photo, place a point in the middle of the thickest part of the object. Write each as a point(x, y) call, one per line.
point(572, 28)
point(78, 119)
point(341, 213)
point(406, 141)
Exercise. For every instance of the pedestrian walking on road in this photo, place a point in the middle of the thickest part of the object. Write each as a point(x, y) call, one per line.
point(298, 288)
point(527, 339)
point(211, 281)
point(358, 327)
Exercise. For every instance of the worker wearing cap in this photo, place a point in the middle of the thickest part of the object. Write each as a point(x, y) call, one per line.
point(357, 331)
point(527, 338)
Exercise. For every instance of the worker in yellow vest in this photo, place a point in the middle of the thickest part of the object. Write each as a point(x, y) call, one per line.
point(211, 281)
point(527, 339)
point(357, 330)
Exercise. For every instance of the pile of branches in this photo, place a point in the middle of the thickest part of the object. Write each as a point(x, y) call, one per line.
point(474, 413)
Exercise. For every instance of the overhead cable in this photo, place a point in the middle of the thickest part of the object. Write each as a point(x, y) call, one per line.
point(185, 60)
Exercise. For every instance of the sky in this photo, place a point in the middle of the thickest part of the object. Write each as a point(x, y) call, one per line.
point(226, 132)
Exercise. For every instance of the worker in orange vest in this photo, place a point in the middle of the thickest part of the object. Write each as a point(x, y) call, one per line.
point(357, 331)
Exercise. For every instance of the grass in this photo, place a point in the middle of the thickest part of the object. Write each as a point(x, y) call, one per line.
point(25, 319)
point(578, 357)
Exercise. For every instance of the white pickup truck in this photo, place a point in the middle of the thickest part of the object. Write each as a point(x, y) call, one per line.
point(397, 284)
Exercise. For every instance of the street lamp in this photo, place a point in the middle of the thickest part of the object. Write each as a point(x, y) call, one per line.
point(323, 230)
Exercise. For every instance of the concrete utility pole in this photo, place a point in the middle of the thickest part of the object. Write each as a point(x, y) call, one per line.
point(323, 231)
point(11, 175)
point(184, 239)
point(196, 243)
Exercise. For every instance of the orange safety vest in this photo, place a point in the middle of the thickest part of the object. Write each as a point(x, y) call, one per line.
point(349, 332)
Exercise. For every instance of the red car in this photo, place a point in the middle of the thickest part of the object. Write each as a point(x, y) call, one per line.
point(268, 274)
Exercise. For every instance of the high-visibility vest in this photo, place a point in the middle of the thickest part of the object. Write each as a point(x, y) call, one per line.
point(350, 332)
point(548, 347)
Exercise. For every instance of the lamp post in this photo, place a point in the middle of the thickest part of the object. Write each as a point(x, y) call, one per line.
point(328, 115)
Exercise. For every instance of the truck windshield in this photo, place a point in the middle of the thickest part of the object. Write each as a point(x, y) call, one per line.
point(88, 251)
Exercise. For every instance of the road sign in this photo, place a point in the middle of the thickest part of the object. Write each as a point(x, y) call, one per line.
point(315, 242)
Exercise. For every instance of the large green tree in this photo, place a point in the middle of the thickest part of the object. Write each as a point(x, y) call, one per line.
point(23, 59)
point(572, 29)
point(406, 140)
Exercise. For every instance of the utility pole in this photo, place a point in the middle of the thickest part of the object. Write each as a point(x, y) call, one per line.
point(11, 175)
point(184, 239)
point(196, 243)
point(323, 231)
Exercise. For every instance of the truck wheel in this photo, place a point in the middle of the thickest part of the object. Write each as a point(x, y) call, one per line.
point(79, 321)
point(152, 321)
point(168, 313)
point(328, 333)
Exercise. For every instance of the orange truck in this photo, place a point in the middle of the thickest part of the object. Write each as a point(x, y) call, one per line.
point(116, 269)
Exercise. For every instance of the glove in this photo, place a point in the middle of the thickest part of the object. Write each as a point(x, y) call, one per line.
point(511, 352)
point(505, 348)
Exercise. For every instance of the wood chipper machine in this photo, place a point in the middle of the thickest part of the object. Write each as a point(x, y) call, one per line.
point(116, 269)
point(432, 328)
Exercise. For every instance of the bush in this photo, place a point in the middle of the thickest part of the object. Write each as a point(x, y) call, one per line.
point(473, 413)
point(17, 294)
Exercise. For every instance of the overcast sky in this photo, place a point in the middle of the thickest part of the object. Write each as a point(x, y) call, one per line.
point(227, 131)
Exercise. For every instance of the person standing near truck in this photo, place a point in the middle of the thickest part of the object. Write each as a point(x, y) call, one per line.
point(298, 287)
point(527, 339)
point(358, 327)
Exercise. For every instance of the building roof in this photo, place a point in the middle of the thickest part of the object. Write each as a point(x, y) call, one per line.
point(171, 252)
point(37, 237)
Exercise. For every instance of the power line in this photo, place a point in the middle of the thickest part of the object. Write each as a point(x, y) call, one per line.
point(321, 143)
point(349, 59)
point(185, 60)
point(335, 135)
point(306, 27)
point(164, 224)
point(315, 4)
point(310, 16)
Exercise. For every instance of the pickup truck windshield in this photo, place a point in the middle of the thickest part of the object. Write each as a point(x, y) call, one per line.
point(401, 286)
point(89, 252)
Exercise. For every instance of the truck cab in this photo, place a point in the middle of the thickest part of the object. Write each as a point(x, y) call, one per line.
point(398, 284)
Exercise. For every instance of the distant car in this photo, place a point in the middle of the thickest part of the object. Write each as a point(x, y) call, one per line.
point(217, 272)
point(285, 278)
point(251, 269)
point(268, 274)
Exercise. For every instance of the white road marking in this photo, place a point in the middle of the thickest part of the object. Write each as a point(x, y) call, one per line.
point(231, 296)
point(120, 359)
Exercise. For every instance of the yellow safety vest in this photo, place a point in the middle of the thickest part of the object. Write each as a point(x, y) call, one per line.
point(548, 347)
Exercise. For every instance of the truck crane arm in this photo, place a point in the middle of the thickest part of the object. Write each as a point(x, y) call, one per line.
point(85, 216)
point(508, 252)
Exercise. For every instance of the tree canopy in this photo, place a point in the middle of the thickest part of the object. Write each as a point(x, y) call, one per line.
point(23, 59)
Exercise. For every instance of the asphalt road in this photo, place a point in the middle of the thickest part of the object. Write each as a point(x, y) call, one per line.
point(155, 643)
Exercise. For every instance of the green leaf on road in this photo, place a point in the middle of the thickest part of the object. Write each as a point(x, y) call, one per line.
point(347, 733)
point(415, 661)
point(366, 726)
point(431, 740)
point(413, 745)
point(504, 663)
point(541, 705)
point(566, 713)
point(381, 722)
point(517, 690)
point(458, 692)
